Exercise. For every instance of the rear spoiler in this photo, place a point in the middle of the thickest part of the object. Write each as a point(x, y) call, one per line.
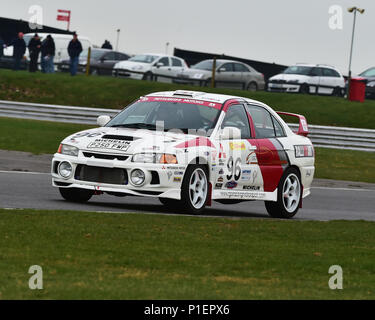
point(303, 129)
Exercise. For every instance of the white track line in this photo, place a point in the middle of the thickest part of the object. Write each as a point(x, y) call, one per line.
point(25, 172)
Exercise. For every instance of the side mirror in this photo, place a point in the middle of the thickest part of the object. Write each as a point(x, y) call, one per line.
point(103, 120)
point(159, 64)
point(222, 70)
point(229, 133)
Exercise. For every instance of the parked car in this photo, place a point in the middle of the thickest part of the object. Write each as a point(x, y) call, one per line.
point(309, 78)
point(150, 66)
point(369, 75)
point(228, 73)
point(189, 148)
point(101, 61)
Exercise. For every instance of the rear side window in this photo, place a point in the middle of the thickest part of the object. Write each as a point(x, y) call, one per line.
point(176, 62)
point(330, 73)
point(240, 68)
point(265, 125)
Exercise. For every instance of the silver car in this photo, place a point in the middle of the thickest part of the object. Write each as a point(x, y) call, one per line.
point(228, 74)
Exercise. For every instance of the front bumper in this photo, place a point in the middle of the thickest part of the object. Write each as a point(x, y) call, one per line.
point(282, 87)
point(162, 180)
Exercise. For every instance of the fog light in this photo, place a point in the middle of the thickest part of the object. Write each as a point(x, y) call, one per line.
point(65, 169)
point(137, 177)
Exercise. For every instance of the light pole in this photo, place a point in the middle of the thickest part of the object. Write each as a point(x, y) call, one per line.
point(352, 9)
point(166, 47)
point(118, 37)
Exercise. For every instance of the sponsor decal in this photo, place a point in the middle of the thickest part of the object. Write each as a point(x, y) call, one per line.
point(231, 184)
point(251, 158)
point(252, 188)
point(242, 195)
point(178, 173)
point(174, 168)
point(221, 162)
point(246, 175)
point(169, 174)
point(218, 185)
point(221, 171)
point(213, 155)
point(220, 179)
point(308, 173)
point(237, 146)
point(177, 179)
point(222, 154)
point(109, 144)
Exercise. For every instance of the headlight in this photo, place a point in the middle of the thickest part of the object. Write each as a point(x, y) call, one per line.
point(304, 151)
point(137, 177)
point(371, 84)
point(65, 169)
point(68, 150)
point(155, 158)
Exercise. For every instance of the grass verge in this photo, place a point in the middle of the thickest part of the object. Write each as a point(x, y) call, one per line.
point(135, 256)
point(108, 92)
point(44, 137)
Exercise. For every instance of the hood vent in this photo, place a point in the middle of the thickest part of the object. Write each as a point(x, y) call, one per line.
point(116, 137)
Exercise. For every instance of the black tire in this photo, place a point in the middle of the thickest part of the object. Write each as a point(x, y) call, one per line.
point(337, 92)
point(207, 83)
point(148, 76)
point(94, 72)
point(186, 201)
point(170, 203)
point(279, 209)
point(252, 86)
point(304, 89)
point(76, 195)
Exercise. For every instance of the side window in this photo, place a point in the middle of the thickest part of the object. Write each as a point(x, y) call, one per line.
point(236, 117)
point(164, 61)
point(240, 68)
point(335, 73)
point(227, 67)
point(176, 62)
point(328, 72)
point(316, 72)
point(109, 56)
point(121, 56)
point(279, 131)
point(263, 123)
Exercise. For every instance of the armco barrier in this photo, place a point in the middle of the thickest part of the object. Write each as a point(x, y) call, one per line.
point(321, 136)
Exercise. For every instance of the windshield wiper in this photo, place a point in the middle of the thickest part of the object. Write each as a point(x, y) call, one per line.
point(135, 125)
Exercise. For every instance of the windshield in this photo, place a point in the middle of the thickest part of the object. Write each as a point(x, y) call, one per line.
point(95, 54)
point(145, 58)
point(176, 115)
point(203, 65)
point(368, 73)
point(298, 70)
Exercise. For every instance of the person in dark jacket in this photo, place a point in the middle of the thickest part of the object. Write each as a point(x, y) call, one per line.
point(107, 45)
point(48, 54)
point(19, 49)
point(34, 50)
point(74, 50)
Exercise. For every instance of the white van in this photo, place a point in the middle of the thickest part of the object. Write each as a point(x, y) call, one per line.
point(61, 44)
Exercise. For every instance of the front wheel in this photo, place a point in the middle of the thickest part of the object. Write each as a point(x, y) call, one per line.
point(304, 89)
point(252, 86)
point(75, 194)
point(289, 195)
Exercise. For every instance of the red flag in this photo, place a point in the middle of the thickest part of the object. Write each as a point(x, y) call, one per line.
point(64, 15)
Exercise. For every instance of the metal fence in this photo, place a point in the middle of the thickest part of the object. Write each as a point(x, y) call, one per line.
point(321, 136)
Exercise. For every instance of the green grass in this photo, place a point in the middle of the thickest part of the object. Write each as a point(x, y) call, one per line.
point(108, 92)
point(41, 137)
point(135, 256)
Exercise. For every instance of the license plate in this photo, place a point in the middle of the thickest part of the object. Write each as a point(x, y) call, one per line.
point(109, 144)
point(276, 85)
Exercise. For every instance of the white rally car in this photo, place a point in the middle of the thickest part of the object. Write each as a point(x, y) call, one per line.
point(189, 148)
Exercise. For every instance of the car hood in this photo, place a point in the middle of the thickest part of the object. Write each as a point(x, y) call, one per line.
point(289, 77)
point(126, 140)
point(132, 65)
point(196, 73)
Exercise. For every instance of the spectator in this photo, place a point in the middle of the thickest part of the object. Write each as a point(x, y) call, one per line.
point(107, 45)
point(34, 50)
point(19, 49)
point(2, 46)
point(48, 54)
point(74, 50)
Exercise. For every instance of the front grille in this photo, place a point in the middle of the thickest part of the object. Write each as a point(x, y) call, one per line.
point(101, 175)
point(105, 156)
point(277, 81)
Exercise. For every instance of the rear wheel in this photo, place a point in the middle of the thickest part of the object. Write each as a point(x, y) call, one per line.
point(76, 195)
point(304, 89)
point(252, 86)
point(289, 195)
point(337, 92)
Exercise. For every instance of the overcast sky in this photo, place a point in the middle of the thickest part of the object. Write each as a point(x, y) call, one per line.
point(277, 31)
